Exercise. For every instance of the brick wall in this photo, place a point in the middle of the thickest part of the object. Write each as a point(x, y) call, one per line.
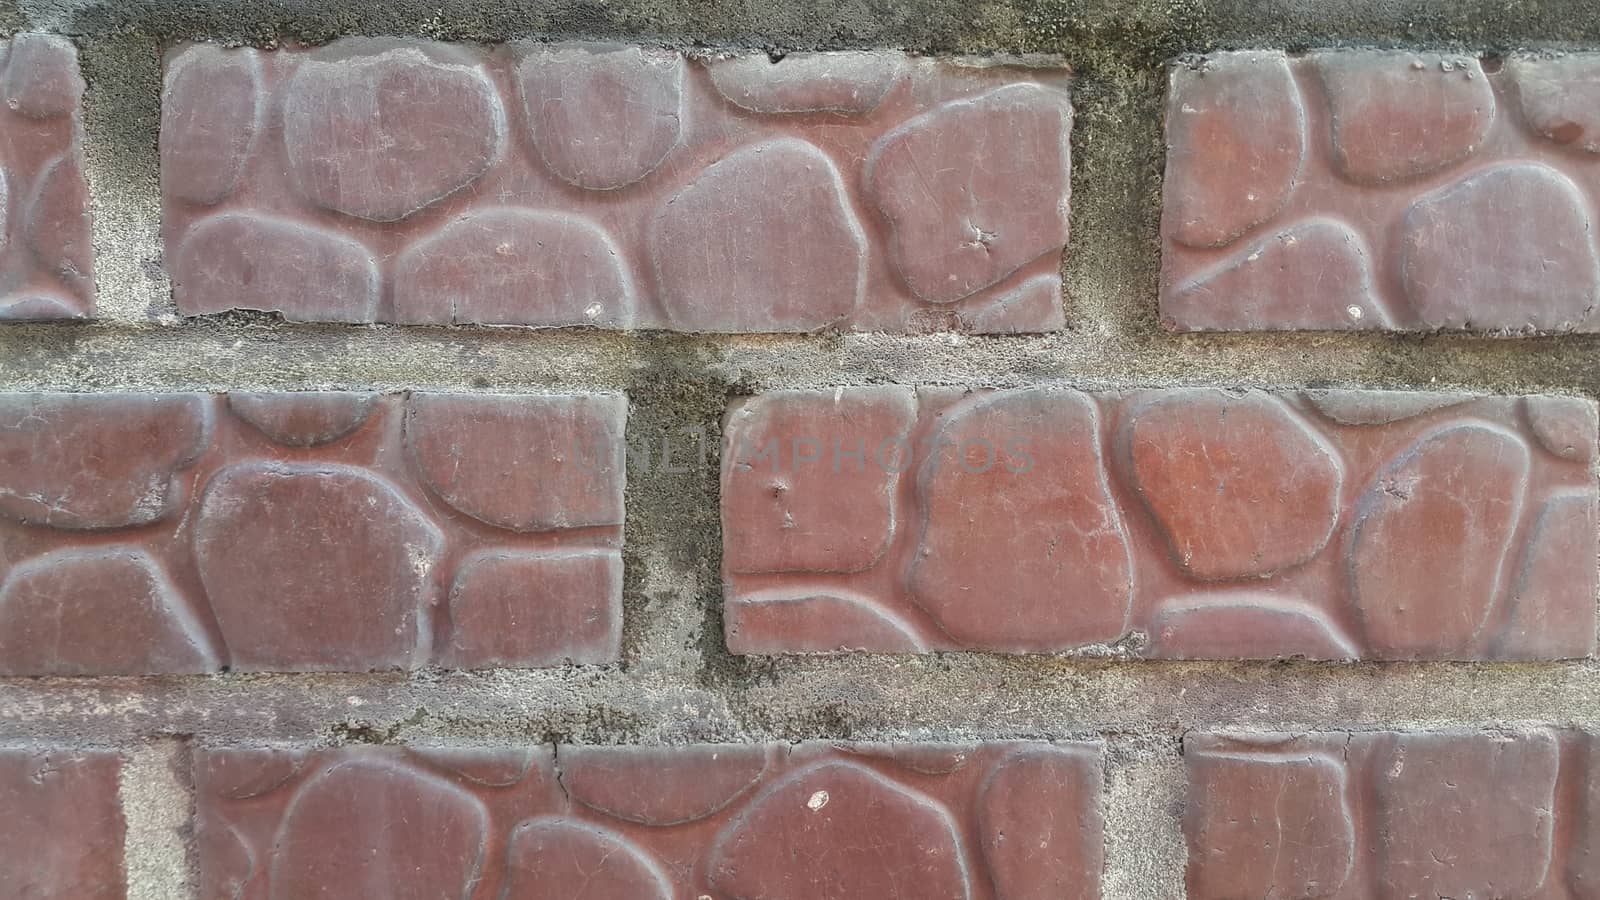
point(734, 451)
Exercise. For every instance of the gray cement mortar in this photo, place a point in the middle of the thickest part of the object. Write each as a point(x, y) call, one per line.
point(677, 683)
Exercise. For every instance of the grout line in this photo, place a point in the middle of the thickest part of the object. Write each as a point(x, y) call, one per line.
point(1142, 803)
point(156, 803)
point(216, 356)
point(946, 697)
point(121, 115)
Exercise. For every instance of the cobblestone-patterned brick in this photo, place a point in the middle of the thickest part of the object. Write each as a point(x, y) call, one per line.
point(1386, 814)
point(615, 186)
point(187, 533)
point(46, 249)
point(1396, 190)
point(993, 821)
point(1192, 523)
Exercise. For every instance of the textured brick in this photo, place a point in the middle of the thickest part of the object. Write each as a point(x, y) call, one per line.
point(615, 186)
point(183, 533)
point(1393, 190)
point(1322, 524)
point(996, 821)
point(46, 249)
point(1380, 814)
point(62, 834)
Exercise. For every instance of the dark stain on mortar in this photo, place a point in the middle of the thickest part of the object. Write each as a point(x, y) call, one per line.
point(675, 411)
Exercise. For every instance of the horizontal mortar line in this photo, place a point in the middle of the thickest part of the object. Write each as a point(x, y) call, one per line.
point(958, 697)
point(671, 24)
point(213, 357)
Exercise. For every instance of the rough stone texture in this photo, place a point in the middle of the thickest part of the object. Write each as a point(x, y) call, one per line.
point(1321, 524)
point(61, 836)
point(1385, 814)
point(678, 683)
point(1396, 190)
point(993, 821)
point(614, 186)
point(187, 533)
point(46, 251)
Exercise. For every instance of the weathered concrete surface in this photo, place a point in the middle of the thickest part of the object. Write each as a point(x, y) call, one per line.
point(677, 683)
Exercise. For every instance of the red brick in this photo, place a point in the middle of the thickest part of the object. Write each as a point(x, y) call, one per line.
point(615, 186)
point(1379, 814)
point(1322, 524)
point(1582, 871)
point(995, 821)
point(47, 270)
point(183, 533)
point(1391, 190)
point(62, 834)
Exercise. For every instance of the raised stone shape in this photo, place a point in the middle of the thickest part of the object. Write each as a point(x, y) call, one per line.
point(786, 622)
point(809, 479)
point(246, 261)
point(244, 774)
point(353, 828)
point(1246, 626)
point(1583, 861)
point(54, 611)
point(762, 240)
point(840, 830)
point(1266, 282)
point(850, 83)
point(514, 608)
point(524, 463)
point(1035, 305)
point(552, 857)
point(1510, 247)
point(379, 131)
point(998, 198)
point(514, 267)
point(1236, 141)
point(1553, 588)
point(1565, 426)
point(1276, 826)
point(1379, 407)
point(1039, 818)
point(315, 567)
point(494, 767)
point(1400, 114)
point(306, 419)
point(1028, 525)
point(1241, 487)
point(211, 112)
point(92, 462)
point(661, 786)
point(1466, 815)
point(57, 227)
point(1560, 97)
point(1429, 537)
point(41, 76)
point(601, 116)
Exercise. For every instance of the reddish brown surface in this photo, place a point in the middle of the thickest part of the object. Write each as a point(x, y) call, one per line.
point(1325, 524)
point(615, 186)
point(815, 821)
point(62, 832)
point(46, 250)
point(1428, 814)
point(1381, 190)
point(177, 533)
